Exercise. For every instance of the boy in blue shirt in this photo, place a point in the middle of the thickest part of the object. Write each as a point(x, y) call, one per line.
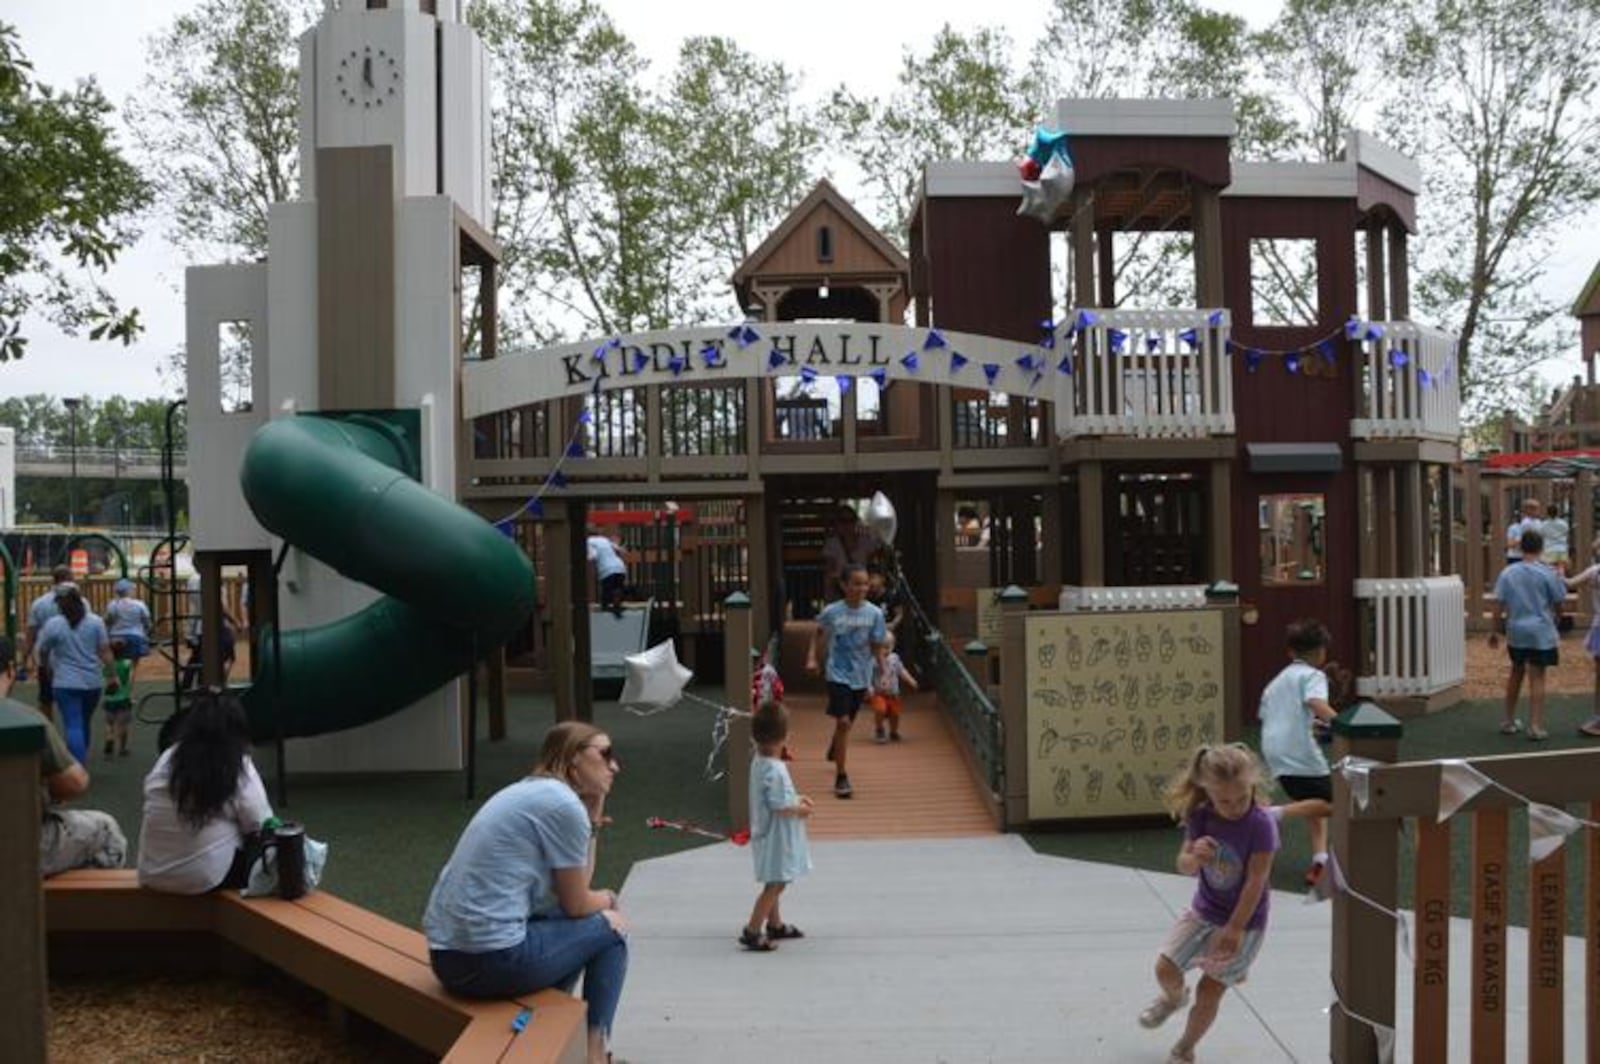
point(854, 630)
point(1526, 598)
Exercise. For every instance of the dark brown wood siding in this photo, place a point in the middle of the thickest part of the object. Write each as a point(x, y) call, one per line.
point(1374, 191)
point(1273, 405)
point(355, 278)
point(988, 270)
point(1204, 158)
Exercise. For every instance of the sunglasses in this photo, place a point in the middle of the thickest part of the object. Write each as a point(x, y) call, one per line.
point(607, 754)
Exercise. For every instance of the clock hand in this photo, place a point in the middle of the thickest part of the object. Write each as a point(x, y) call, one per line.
point(366, 72)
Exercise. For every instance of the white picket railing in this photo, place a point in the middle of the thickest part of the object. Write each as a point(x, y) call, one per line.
point(1419, 635)
point(1147, 373)
point(1410, 383)
point(1075, 599)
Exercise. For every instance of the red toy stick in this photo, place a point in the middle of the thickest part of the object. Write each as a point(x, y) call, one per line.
point(738, 838)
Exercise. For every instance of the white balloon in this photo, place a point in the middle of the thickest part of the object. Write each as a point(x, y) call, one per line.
point(881, 517)
point(654, 679)
point(1043, 198)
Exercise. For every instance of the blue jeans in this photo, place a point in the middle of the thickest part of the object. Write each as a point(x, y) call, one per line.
point(75, 706)
point(555, 952)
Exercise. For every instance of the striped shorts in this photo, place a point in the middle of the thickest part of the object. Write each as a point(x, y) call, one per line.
point(1188, 945)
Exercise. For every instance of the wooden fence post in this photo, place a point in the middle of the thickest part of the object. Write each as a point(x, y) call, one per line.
point(1367, 855)
point(1012, 600)
point(22, 977)
point(736, 632)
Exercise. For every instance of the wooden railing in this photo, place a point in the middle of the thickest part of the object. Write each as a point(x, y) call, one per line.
point(1410, 383)
point(1076, 599)
point(1367, 849)
point(1147, 373)
point(963, 697)
point(1417, 628)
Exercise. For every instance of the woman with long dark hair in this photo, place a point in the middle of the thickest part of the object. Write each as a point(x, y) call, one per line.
point(202, 799)
point(513, 911)
point(74, 646)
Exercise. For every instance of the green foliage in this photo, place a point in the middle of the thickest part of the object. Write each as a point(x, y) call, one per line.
point(1327, 55)
point(217, 122)
point(1497, 100)
point(66, 193)
point(962, 100)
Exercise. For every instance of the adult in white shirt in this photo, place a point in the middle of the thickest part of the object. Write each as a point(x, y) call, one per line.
point(202, 800)
point(1556, 534)
point(1530, 520)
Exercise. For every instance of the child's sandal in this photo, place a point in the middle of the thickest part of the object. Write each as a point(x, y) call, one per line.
point(756, 941)
point(777, 931)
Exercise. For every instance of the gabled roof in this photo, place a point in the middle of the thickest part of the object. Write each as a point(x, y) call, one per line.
point(823, 194)
point(1588, 304)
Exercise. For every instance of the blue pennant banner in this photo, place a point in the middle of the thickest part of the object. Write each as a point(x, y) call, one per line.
point(586, 416)
point(808, 374)
point(1291, 362)
point(1027, 362)
point(775, 358)
point(640, 361)
point(991, 371)
point(1252, 360)
point(1190, 337)
point(1374, 331)
point(881, 375)
point(1152, 344)
point(575, 449)
point(676, 364)
point(957, 360)
point(1325, 349)
point(1117, 338)
point(1398, 358)
point(743, 335)
point(712, 355)
point(1214, 319)
point(935, 339)
point(1424, 378)
point(558, 479)
point(845, 381)
point(1086, 319)
point(504, 528)
point(909, 360)
point(1353, 329)
point(1065, 365)
point(535, 507)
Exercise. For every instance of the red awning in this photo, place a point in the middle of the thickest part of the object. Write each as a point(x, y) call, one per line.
point(1547, 463)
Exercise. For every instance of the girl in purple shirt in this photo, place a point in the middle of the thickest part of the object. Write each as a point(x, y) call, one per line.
point(1229, 840)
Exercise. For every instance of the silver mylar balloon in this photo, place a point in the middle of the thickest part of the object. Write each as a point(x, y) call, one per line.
point(881, 517)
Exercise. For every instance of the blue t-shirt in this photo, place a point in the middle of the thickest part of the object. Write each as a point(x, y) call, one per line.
point(1286, 741)
point(44, 607)
point(1530, 592)
point(73, 654)
point(1222, 881)
point(502, 873)
point(127, 616)
point(851, 634)
point(607, 562)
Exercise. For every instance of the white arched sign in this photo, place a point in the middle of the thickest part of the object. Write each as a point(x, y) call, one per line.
point(781, 349)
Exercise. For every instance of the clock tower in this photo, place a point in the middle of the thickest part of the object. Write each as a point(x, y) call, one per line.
point(357, 313)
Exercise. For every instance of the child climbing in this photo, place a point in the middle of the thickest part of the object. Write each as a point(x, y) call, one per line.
point(777, 829)
point(1228, 844)
point(1292, 703)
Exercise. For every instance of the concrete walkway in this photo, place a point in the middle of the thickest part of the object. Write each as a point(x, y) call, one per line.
point(960, 950)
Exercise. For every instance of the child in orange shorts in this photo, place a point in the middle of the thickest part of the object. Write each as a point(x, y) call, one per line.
point(885, 697)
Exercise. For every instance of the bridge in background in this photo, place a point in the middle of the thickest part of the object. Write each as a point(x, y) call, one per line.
point(103, 462)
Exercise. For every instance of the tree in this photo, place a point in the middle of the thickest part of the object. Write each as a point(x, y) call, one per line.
point(66, 193)
point(962, 100)
point(1497, 104)
point(218, 122)
point(1327, 55)
point(744, 153)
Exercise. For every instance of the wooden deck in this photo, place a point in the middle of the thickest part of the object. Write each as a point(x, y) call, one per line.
point(918, 788)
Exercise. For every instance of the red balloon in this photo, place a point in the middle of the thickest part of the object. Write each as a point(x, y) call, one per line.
point(1029, 168)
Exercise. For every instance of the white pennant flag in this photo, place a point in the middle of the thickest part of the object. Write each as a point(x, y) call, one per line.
point(1385, 1039)
point(1358, 774)
point(1459, 783)
point(1548, 828)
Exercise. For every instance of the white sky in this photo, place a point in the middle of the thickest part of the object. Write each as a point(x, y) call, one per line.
point(830, 41)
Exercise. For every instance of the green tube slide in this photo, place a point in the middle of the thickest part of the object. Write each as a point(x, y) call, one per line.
point(339, 490)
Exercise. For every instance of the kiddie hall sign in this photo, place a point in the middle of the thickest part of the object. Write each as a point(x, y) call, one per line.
point(711, 354)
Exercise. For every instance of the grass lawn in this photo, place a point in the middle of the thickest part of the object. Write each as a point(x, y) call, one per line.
point(1468, 730)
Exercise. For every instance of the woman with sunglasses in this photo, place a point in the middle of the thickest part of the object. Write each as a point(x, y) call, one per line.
point(513, 910)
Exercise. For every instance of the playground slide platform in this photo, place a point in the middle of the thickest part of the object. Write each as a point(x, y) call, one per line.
point(454, 586)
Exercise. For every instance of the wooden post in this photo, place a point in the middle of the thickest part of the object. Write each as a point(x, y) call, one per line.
point(209, 566)
point(1013, 707)
point(1547, 919)
point(736, 669)
point(1591, 941)
point(1490, 987)
point(1012, 600)
point(1221, 520)
point(1430, 992)
point(22, 976)
point(558, 596)
point(1367, 852)
point(495, 669)
point(1091, 524)
point(1473, 565)
point(582, 653)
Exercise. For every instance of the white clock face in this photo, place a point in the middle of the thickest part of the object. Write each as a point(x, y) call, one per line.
point(368, 77)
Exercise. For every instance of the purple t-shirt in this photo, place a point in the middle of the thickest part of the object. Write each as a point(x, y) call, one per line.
point(1222, 881)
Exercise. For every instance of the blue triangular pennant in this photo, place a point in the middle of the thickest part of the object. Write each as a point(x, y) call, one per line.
point(1065, 365)
point(957, 360)
point(1117, 338)
point(775, 358)
point(586, 416)
point(844, 382)
point(991, 371)
point(676, 364)
point(1326, 350)
point(1353, 328)
point(881, 375)
point(599, 353)
point(935, 339)
point(1424, 378)
point(1026, 362)
point(640, 361)
point(504, 528)
point(1086, 319)
point(743, 335)
point(1374, 331)
point(558, 479)
point(1398, 358)
point(1152, 344)
point(1252, 360)
point(1291, 361)
point(808, 374)
point(575, 449)
point(1190, 337)
point(535, 507)
point(712, 355)
point(909, 361)
point(1214, 319)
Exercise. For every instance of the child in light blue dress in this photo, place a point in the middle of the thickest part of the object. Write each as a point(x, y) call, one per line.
point(777, 829)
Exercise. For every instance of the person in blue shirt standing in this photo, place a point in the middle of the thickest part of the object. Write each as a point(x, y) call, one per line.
point(75, 647)
point(1527, 596)
point(854, 631)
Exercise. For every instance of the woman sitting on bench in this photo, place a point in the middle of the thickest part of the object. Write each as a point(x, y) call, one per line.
point(202, 800)
point(512, 911)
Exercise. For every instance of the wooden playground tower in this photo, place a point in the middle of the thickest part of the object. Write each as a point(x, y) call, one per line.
point(1308, 459)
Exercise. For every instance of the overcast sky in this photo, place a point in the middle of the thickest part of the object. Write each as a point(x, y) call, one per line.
point(829, 41)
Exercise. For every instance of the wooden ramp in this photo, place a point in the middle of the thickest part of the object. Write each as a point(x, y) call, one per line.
point(918, 788)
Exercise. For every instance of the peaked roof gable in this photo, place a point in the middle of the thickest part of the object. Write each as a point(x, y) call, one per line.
point(821, 196)
point(1588, 305)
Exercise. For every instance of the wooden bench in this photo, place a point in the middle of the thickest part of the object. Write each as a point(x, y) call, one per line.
point(363, 961)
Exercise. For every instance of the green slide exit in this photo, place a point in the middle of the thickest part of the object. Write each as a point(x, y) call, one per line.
point(338, 490)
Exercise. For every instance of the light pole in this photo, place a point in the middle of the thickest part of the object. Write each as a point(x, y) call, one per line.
point(72, 404)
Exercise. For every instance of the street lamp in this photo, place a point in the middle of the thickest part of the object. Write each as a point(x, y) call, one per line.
point(72, 405)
